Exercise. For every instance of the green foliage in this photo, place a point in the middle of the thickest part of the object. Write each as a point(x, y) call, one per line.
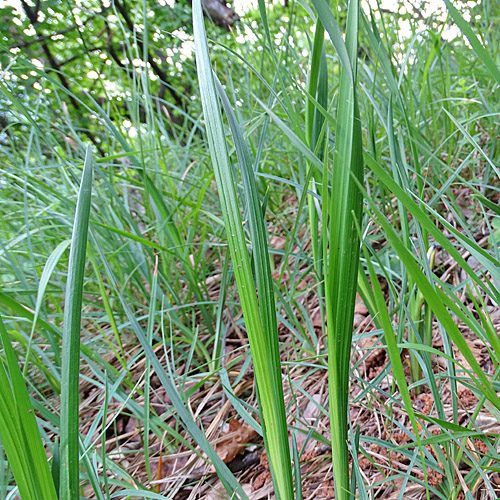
point(257, 298)
point(19, 432)
point(334, 168)
point(342, 207)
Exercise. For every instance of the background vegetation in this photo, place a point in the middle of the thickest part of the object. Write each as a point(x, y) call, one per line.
point(168, 407)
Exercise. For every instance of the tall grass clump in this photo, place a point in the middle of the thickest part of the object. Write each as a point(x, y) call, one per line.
point(257, 296)
point(341, 212)
point(342, 207)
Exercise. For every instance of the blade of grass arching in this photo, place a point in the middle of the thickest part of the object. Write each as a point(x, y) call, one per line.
point(266, 363)
point(379, 50)
point(478, 47)
point(427, 223)
point(341, 267)
point(70, 371)
point(19, 432)
point(377, 298)
point(277, 439)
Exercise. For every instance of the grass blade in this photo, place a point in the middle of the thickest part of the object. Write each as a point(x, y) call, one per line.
point(44, 281)
point(71, 339)
point(328, 20)
point(264, 285)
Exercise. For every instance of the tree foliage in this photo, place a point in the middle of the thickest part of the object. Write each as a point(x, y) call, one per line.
point(96, 50)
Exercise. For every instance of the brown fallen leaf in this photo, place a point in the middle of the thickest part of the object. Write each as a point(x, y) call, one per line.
point(359, 307)
point(316, 320)
point(278, 242)
point(234, 441)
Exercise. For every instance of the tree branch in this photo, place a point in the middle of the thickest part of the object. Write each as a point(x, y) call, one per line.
point(31, 14)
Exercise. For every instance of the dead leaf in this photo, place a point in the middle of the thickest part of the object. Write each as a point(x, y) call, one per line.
point(316, 320)
point(234, 441)
point(278, 242)
point(359, 307)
